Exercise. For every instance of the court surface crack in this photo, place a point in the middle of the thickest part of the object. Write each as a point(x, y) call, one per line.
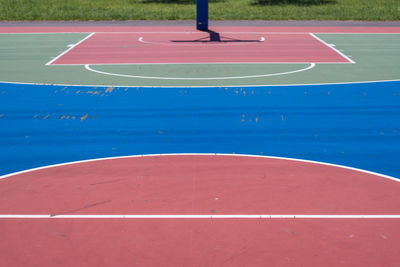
point(88, 206)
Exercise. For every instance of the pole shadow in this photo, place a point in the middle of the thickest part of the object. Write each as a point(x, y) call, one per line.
point(216, 37)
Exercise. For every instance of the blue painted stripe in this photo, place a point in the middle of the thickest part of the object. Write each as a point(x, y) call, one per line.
point(356, 125)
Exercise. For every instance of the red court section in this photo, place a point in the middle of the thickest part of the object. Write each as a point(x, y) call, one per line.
point(196, 47)
point(198, 184)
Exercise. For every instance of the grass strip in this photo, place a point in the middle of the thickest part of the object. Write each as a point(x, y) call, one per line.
point(368, 10)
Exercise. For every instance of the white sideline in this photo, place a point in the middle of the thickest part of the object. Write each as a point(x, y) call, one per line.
point(333, 48)
point(69, 49)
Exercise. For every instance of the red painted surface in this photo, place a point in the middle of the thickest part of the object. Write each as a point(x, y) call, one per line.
point(122, 48)
point(191, 184)
point(141, 29)
point(199, 243)
point(198, 185)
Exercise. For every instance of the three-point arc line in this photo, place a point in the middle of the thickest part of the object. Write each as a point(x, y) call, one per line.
point(326, 216)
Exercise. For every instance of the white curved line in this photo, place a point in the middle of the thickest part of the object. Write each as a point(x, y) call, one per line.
point(203, 154)
point(140, 39)
point(87, 66)
point(197, 86)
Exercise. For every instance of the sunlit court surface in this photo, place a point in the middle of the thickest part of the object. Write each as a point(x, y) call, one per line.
point(183, 144)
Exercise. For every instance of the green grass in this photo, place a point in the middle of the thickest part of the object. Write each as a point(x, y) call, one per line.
point(185, 9)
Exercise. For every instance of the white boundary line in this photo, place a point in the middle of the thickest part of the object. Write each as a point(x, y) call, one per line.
point(333, 48)
point(200, 63)
point(69, 49)
point(207, 216)
point(199, 86)
point(202, 154)
point(312, 65)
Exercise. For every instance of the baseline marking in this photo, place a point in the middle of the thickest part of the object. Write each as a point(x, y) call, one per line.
point(312, 65)
point(197, 86)
point(198, 63)
point(69, 49)
point(229, 216)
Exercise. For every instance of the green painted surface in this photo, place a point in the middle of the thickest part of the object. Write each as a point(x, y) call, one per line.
point(23, 58)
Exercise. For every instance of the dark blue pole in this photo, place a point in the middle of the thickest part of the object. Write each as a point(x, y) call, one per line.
point(202, 15)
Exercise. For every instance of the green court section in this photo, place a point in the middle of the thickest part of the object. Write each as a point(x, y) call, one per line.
point(23, 59)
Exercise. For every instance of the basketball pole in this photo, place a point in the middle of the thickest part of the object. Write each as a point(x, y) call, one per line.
point(202, 15)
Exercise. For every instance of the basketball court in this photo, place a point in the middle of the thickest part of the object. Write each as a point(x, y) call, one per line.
point(135, 145)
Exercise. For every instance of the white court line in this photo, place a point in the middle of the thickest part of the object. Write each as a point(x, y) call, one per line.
point(336, 50)
point(198, 86)
point(69, 49)
point(312, 65)
point(203, 154)
point(206, 216)
point(200, 63)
